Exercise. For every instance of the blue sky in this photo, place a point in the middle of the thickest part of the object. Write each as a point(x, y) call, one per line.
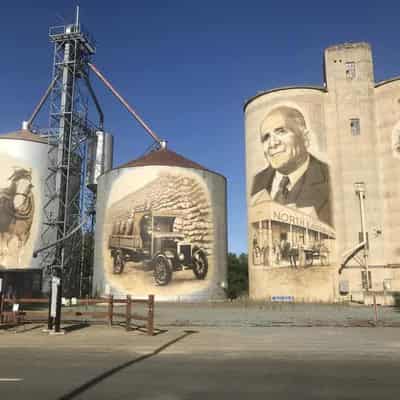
point(189, 66)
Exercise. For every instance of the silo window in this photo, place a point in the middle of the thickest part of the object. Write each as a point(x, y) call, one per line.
point(355, 126)
point(350, 68)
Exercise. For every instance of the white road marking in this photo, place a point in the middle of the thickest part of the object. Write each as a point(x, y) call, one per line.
point(11, 379)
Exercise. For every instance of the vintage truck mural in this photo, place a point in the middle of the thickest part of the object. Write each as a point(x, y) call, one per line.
point(151, 238)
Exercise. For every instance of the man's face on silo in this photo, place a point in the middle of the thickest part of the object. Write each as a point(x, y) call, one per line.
point(283, 143)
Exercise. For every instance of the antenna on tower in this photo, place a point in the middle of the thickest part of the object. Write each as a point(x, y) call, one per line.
point(77, 16)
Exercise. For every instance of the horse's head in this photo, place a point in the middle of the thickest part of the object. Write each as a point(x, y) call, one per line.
point(21, 181)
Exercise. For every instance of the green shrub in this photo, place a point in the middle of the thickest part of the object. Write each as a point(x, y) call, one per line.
point(238, 280)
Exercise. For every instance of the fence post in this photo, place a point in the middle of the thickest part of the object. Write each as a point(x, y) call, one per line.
point(375, 309)
point(1, 307)
point(110, 309)
point(128, 312)
point(14, 314)
point(150, 316)
point(1, 300)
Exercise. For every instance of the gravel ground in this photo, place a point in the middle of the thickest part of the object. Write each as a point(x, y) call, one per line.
point(251, 314)
point(243, 313)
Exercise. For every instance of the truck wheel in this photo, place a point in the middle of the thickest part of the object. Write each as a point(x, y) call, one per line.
point(119, 263)
point(200, 264)
point(162, 270)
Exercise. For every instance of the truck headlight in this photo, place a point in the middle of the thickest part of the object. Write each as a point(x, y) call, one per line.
point(181, 257)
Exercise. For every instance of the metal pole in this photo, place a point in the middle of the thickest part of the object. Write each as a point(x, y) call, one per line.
point(125, 104)
point(28, 124)
point(364, 235)
point(54, 320)
point(95, 100)
point(50, 319)
point(57, 320)
point(77, 16)
point(1, 300)
point(36, 252)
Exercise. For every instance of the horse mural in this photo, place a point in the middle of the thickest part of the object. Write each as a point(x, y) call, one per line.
point(16, 211)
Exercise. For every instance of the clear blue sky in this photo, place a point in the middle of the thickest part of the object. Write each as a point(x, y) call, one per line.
point(188, 67)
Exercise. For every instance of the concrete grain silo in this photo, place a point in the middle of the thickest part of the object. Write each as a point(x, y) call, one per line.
point(323, 192)
point(161, 229)
point(23, 158)
point(284, 231)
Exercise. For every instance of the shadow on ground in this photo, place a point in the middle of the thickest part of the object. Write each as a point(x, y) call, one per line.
point(96, 380)
point(75, 327)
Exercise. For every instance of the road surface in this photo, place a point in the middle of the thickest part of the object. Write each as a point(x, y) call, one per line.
point(206, 363)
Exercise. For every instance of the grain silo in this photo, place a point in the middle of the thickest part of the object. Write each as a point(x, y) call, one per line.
point(322, 187)
point(161, 229)
point(23, 157)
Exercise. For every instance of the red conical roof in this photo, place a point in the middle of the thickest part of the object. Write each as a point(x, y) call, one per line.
point(164, 157)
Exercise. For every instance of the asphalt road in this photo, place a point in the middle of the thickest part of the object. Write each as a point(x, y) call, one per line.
point(212, 363)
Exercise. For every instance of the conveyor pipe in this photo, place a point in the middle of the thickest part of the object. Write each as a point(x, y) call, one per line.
point(126, 105)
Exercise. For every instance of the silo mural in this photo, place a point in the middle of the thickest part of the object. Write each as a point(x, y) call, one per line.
point(159, 231)
point(292, 195)
point(21, 198)
point(291, 232)
point(170, 215)
point(17, 208)
point(322, 187)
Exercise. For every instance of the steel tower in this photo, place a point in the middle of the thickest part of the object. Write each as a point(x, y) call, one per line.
point(65, 190)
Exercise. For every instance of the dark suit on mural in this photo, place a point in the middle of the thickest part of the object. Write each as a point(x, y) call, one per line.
point(311, 190)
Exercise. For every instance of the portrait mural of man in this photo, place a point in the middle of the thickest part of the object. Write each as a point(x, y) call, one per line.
point(293, 175)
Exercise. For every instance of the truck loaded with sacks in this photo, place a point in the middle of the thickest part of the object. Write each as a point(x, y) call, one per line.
point(153, 240)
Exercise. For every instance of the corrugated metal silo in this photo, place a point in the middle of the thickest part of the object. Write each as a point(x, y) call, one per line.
point(100, 157)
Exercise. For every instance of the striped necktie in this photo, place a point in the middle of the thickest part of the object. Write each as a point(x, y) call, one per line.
point(282, 193)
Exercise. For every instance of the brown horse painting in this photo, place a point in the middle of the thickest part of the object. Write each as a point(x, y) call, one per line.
point(16, 211)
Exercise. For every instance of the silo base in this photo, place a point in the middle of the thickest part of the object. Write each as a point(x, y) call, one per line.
point(303, 285)
point(208, 294)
